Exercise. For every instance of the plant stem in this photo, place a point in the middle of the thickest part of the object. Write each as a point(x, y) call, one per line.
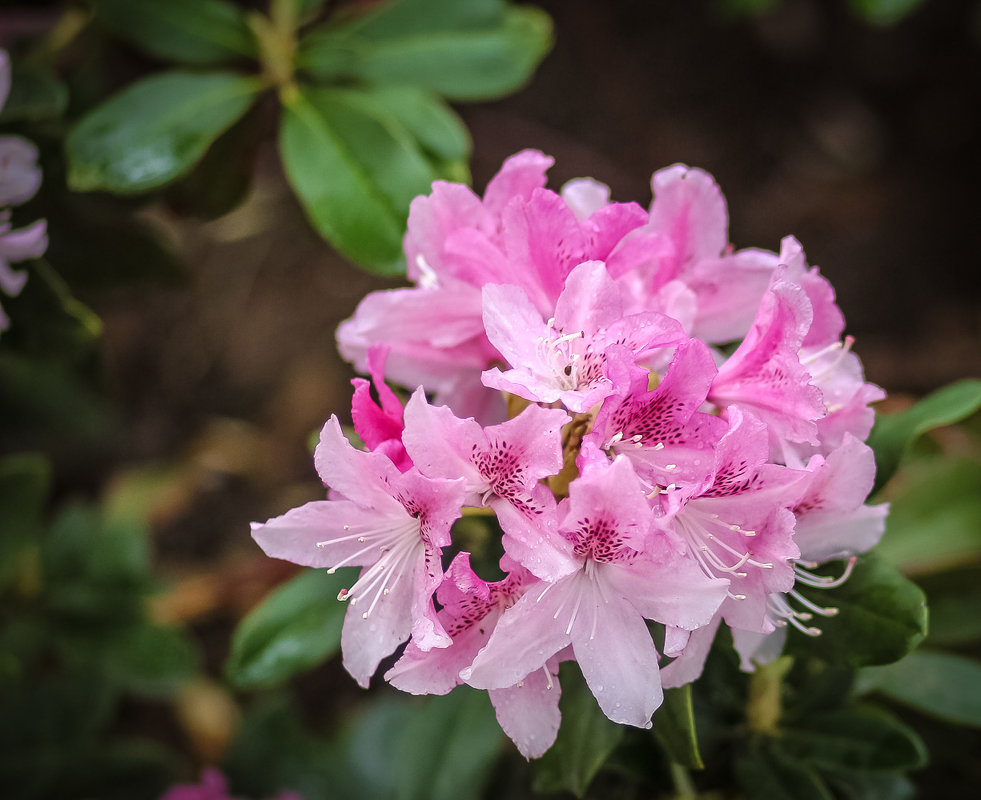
point(763, 706)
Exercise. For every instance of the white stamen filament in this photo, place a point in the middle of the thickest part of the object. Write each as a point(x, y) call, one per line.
point(399, 545)
point(709, 549)
point(823, 581)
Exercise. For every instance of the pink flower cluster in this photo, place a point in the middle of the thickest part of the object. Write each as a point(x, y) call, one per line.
point(20, 178)
point(664, 428)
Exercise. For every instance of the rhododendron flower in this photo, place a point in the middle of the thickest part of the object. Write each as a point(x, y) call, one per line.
point(563, 355)
point(391, 523)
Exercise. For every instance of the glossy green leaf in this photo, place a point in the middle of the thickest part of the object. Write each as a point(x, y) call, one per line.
point(339, 195)
point(447, 748)
point(384, 149)
point(858, 738)
point(24, 483)
point(881, 617)
point(469, 62)
point(674, 727)
point(200, 32)
point(894, 433)
point(585, 741)
point(940, 685)
point(155, 130)
point(764, 772)
point(935, 516)
point(295, 628)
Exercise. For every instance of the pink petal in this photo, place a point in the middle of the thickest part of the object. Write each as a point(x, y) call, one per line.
point(519, 176)
point(689, 665)
point(617, 656)
point(690, 208)
point(528, 712)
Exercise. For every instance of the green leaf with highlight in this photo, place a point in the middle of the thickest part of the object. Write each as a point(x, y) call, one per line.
point(894, 433)
point(154, 130)
point(881, 617)
point(941, 685)
point(295, 628)
point(859, 738)
point(339, 193)
point(674, 727)
point(463, 57)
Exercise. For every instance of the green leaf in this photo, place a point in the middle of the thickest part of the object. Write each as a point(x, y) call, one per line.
point(403, 17)
point(220, 181)
point(872, 785)
point(469, 62)
point(765, 773)
point(383, 148)
point(24, 483)
point(150, 659)
point(885, 12)
point(881, 617)
point(429, 120)
point(935, 515)
point(894, 433)
point(155, 130)
point(34, 95)
point(940, 685)
point(97, 575)
point(954, 618)
point(199, 32)
point(343, 202)
point(859, 738)
point(674, 727)
point(295, 628)
point(447, 748)
point(586, 739)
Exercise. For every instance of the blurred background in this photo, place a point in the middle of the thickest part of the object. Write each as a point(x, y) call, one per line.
point(857, 133)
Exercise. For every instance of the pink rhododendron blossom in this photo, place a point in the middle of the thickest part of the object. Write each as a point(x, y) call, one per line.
point(391, 523)
point(569, 386)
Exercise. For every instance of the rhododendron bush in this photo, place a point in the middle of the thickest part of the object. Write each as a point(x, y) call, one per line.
point(570, 489)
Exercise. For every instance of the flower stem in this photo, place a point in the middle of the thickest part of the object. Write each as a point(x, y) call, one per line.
point(763, 706)
point(684, 789)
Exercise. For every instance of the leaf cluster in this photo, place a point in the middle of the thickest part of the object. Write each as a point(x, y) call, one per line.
point(364, 124)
